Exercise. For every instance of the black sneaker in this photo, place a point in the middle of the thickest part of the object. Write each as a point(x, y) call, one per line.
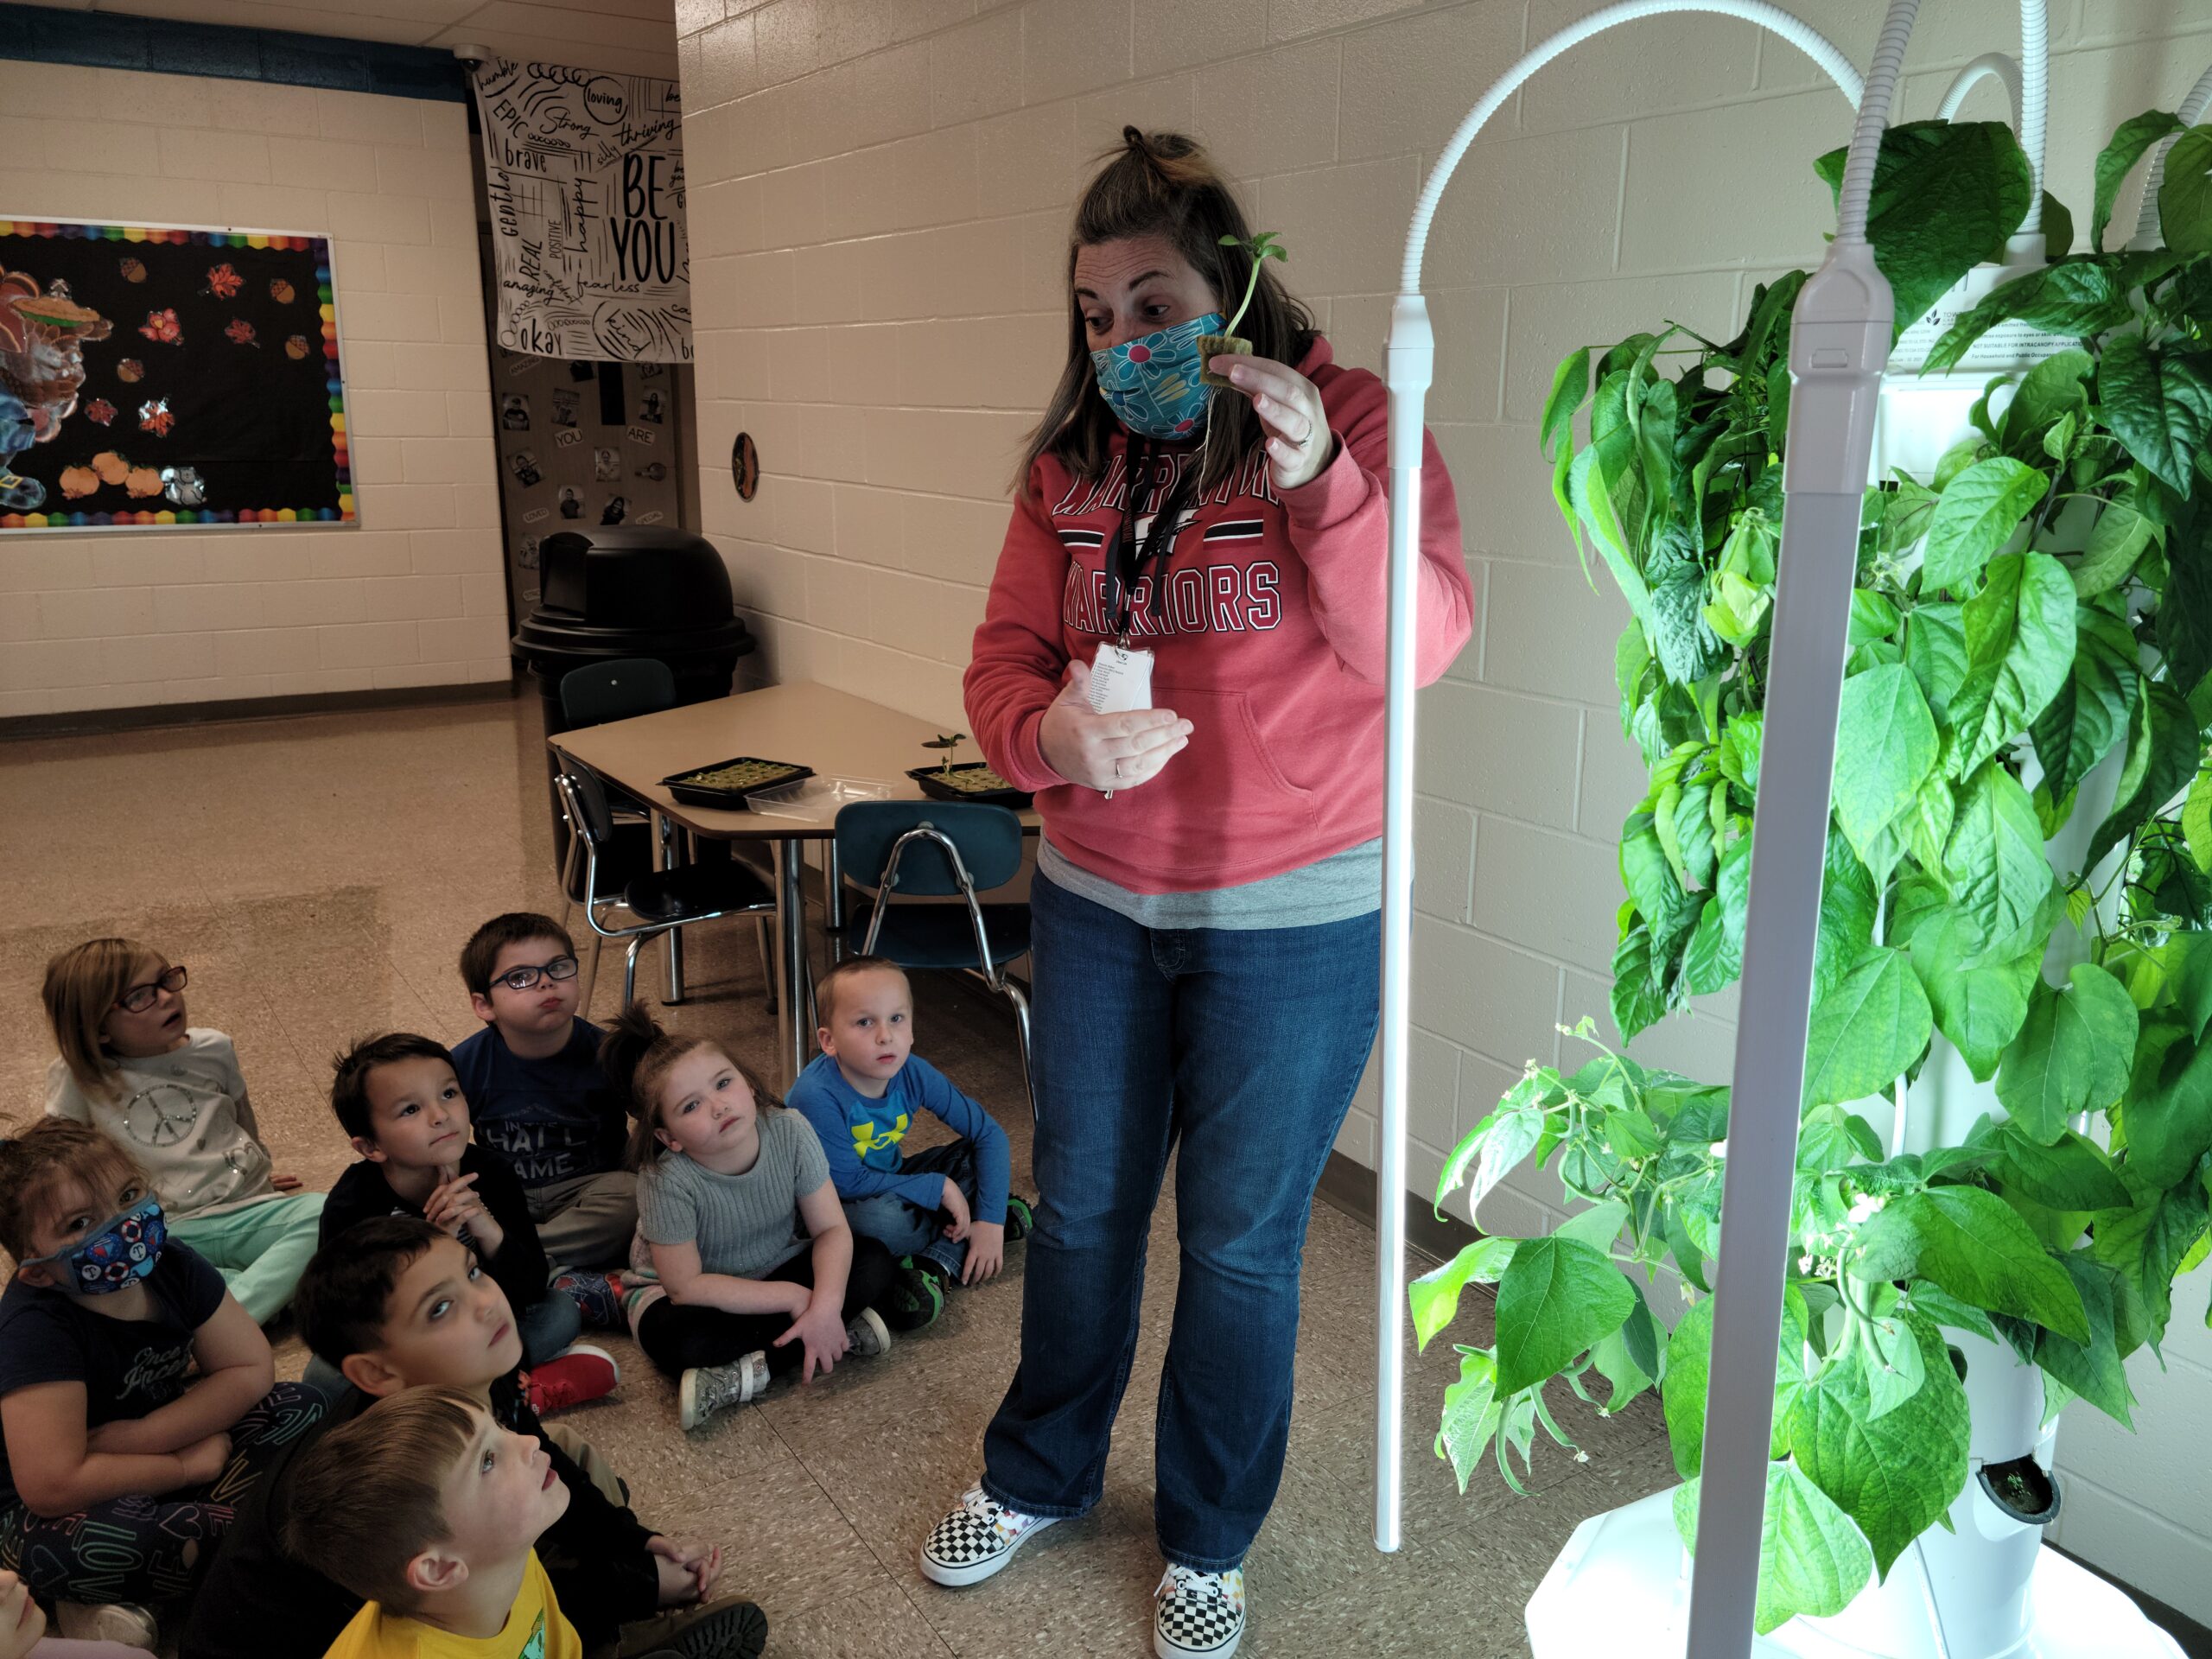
point(724, 1629)
point(916, 1297)
point(1020, 1218)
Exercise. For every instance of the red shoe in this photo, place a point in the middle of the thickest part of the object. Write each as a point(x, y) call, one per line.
point(583, 1373)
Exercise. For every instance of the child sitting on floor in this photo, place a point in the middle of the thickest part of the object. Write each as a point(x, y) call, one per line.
point(22, 1630)
point(759, 1274)
point(173, 1094)
point(115, 1475)
point(542, 1102)
point(397, 1305)
point(946, 1210)
point(429, 1509)
point(398, 1101)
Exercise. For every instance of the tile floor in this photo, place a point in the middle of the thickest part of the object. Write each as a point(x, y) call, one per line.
point(319, 876)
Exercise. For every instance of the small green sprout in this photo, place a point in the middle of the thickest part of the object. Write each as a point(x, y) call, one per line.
point(1262, 248)
point(950, 742)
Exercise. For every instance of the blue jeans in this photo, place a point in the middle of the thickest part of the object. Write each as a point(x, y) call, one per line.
point(908, 1229)
point(1245, 1047)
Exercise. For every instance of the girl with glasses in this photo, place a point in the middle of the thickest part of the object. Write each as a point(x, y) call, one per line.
point(172, 1095)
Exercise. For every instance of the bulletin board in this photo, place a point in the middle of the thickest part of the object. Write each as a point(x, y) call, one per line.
point(158, 377)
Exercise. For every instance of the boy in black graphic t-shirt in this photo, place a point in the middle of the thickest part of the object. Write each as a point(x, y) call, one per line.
point(541, 1103)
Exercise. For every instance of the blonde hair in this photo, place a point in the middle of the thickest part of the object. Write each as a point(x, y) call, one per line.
point(82, 984)
point(637, 1054)
point(35, 1164)
point(368, 1497)
point(852, 968)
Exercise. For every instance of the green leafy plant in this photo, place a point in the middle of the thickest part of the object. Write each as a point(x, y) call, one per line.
point(950, 742)
point(2039, 603)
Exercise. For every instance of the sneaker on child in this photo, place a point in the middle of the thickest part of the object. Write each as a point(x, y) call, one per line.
point(579, 1374)
point(124, 1623)
point(917, 1298)
point(1198, 1615)
point(706, 1390)
point(724, 1629)
point(1020, 1218)
point(868, 1334)
point(977, 1539)
point(598, 1297)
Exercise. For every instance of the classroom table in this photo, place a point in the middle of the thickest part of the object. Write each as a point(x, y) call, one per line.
point(836, 734)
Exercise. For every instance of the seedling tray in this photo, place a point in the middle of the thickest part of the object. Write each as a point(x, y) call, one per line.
point(731, 783)
point(971, 780)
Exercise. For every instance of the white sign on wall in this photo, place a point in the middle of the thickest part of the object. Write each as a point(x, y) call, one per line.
point(584, 174)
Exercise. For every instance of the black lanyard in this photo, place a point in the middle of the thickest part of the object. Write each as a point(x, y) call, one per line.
point(1127, 563)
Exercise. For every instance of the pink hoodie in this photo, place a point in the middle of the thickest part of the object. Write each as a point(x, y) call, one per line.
point(1271, 643)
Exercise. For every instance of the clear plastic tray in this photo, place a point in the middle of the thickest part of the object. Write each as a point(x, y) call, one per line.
point(817, 796)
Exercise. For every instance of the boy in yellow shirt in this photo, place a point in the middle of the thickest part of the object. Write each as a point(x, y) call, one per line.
point(428, 1509)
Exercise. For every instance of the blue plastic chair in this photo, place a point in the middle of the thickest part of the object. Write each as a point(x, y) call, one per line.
point(934, 849)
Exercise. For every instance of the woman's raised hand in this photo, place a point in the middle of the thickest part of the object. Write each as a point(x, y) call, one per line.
point(1107, 750)
point(1289, 407)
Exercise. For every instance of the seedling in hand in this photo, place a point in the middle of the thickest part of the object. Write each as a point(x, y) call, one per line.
point(1262, 248)
point(950, 744)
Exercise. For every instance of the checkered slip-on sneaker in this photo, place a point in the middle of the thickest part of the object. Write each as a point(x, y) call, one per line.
point(1198, 1615)
point(977, 1539)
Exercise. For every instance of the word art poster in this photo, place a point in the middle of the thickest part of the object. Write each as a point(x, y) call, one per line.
point(154, 377)
point(584, 176)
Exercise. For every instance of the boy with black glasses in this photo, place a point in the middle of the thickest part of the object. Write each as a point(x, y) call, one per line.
point(532, 1078)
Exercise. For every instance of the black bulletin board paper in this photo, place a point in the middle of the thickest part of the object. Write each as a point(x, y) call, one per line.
point(153, 377)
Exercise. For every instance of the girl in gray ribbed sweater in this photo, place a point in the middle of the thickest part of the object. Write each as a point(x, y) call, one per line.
point(759, 1273)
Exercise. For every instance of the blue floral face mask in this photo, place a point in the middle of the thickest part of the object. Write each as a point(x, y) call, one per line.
point(1152, 383)
point(120, 1252)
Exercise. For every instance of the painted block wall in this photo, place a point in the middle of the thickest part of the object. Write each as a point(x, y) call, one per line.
point(412, 596)
point(880, 197)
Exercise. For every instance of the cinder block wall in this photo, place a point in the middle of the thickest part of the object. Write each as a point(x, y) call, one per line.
point(413, 594)
point(879, 208)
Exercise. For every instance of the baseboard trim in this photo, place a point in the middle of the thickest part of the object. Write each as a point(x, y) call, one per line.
point(94, 721)
point(1349, 1185)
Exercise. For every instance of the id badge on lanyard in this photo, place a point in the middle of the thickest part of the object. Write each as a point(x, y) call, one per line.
point(1121, 674)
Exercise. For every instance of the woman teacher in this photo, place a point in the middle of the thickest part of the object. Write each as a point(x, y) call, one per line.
point(1206, 915)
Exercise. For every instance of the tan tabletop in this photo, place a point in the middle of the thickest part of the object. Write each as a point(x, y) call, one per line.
point(838, 734)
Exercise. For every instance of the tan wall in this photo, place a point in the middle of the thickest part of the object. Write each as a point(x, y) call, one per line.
point(880, 196)
point(413, 595)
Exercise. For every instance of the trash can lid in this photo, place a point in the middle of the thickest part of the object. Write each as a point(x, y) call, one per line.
point(631, 589)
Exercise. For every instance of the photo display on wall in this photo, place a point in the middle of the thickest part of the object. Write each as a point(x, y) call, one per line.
point(163, 377)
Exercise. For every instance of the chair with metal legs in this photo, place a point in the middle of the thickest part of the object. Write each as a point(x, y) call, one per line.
point(919, 849)
point(623, 688)
point(661, 900)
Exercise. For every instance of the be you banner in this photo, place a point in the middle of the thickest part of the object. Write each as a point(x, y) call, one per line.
point(584, 174)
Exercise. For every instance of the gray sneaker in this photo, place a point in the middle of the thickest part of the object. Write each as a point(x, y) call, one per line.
point(123, 1623)
point(724, 1629)
point(706, 1390)
point(868, 1334)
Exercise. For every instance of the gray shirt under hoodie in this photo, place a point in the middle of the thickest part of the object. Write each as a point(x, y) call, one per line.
point(1332, 889)
point(746, 1226)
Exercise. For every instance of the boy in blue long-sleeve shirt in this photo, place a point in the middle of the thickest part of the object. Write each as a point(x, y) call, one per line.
point(946, 1209)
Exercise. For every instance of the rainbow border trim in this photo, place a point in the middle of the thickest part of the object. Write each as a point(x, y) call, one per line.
point(76, 231)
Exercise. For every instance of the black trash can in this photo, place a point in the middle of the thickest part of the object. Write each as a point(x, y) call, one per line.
point(630, 591)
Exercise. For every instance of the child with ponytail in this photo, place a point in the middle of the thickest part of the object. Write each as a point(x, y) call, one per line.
point(760, 1276)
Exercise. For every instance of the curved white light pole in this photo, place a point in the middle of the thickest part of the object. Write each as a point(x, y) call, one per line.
point(2192, 110)
point(1410, 362)
point(1990, 66)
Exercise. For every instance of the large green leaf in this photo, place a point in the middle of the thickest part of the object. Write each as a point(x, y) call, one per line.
point(2117, 543)
point(2089, 714)
point(2185, 197)
point(2189, 972)
point(1846, 923)
point(2071, 1057)
point(2185, 626)
point(1434, 1296)
point(2197, 819)
point(1999, 875)
point(2019, 636)
point(2168, 1113)
point(2092, 1367)
point(1979, 1008)
point(2055, 388)
point(2147, 1245)
point(1894, 1473)
point(2161, 756)
point(1689, 1360)
point(1812, 1559)
point(1970, 1243)
point(2072, 1172)
point(2080, 297)
point(1866, 1030)
point(1557, 1298)
point(1885, 748)
point(1570, 385)
point(2158, 404)
point(1936, 650)
point(2135, 135)
point(1979, 510)
point(1946, 196)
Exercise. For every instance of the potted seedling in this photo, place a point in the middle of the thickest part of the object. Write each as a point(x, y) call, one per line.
point(971, 780)
point(1262, 248)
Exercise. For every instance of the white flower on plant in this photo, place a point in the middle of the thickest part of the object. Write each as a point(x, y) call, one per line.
point(1864, 1207)
point(1721, 1148)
